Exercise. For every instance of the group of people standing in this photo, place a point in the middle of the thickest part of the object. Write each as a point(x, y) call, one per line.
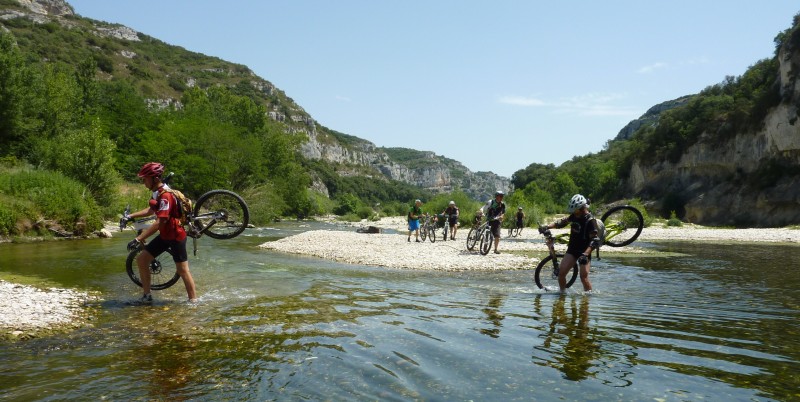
point(583, 238)
point(415, 213)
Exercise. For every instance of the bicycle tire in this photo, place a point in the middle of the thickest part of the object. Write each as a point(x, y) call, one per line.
point(444, 231)
point(544, 278)
point(160, 278)
point(624, 224)
point(221, 214)
point(472, 238)
point(514, 232)
point(487, 238)
point(432, 234)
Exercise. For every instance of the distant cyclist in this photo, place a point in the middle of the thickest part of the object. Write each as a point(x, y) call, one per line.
point(495, 212)
point(452, 213)
point(414, 214)
point(520, 218)
point(583, 239)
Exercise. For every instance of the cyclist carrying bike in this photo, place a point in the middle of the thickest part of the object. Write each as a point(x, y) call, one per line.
point(452, 213)
point(495, 212)
point(583, 238)
point(171, 234)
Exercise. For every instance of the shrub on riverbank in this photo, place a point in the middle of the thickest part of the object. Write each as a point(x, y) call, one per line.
point(33, 201)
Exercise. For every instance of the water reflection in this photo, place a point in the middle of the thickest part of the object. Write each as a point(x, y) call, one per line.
point(493, 315)
point(711, 324)
point(571, 345)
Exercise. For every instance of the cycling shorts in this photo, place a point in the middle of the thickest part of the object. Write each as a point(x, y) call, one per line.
point(413, 224)
point(176, 248)
point(495, 225)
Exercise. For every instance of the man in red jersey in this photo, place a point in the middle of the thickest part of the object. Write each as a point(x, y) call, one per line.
point(171, 234)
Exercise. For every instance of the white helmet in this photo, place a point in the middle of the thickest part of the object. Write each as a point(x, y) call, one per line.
point(577, 202)
point(479, 212)
point(452, 203)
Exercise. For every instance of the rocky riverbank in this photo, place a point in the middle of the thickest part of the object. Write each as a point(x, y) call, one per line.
point(28, 311)
point(395, 251)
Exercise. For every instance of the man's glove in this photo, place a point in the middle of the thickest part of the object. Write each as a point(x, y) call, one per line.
point(583, 259)
point(134, 244)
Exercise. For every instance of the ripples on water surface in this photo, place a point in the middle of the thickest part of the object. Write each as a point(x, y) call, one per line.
point(713, 323)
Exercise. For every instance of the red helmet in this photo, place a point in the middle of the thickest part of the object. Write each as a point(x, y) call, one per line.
point(151, 169)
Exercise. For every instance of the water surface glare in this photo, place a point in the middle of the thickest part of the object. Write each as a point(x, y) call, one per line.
point(713, 323)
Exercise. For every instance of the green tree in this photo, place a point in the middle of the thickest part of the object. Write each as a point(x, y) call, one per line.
point(11, 67)
point(86, 155)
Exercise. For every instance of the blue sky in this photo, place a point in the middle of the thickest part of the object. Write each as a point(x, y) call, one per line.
point(494, 85)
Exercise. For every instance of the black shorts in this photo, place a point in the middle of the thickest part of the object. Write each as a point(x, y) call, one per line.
point(495, 225)
point(176, 248)
point(453, 220)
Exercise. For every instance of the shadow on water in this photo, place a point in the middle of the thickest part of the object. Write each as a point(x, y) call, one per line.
point(712, 323)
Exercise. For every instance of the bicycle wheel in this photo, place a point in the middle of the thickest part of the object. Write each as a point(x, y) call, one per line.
point(546, 276)
point(487, 238)
point(221, 214)
point(444, 231)
point(624, 224)
point(423, 232)
point(432, 234)
point(514, 232)
point(472, 238)
point(160, 277)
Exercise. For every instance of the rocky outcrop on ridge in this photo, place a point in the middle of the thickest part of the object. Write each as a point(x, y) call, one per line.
point(745, 181)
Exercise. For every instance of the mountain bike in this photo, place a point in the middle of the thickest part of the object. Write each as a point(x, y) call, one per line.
point(474, 234)
point(220, 214)
point(515, 231)
point(427, 228)
point(446, 227)
point(487, 238)
point(622, 226)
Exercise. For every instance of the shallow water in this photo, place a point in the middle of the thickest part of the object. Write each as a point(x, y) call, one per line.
point(715, 322)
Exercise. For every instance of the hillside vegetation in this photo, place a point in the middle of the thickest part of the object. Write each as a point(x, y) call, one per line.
point(86, 102)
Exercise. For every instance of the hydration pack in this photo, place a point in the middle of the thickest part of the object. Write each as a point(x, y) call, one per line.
point(184, 206)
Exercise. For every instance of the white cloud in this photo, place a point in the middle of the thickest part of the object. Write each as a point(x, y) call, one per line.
point(590, 104)
point(521, 101)
point(652, 67)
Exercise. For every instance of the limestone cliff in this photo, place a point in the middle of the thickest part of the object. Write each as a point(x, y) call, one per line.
point(750, 179)
point(437, 173)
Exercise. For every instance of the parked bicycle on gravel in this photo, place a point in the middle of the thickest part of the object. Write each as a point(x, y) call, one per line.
point(427, 228)
point(220, 214)
point(474, 232)
point(619, 226)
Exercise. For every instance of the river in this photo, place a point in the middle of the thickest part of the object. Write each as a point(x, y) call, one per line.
point(702, 322)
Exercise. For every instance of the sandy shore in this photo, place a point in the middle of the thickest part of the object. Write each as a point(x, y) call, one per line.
point(394, 251)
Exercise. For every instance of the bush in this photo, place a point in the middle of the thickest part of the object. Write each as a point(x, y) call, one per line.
point(673, 220)
point(39, 195)
point(264, 203)
point(637, 203)
point(365, 212)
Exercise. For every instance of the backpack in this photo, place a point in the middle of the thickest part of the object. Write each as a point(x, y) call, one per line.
point(601, 230)
point(184, 206)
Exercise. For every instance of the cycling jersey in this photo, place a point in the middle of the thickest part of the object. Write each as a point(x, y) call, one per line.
point(583, 230)
point(453, 213)
point(167, 207)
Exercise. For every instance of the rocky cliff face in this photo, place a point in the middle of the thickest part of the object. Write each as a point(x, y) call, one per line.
point(729, 183)
point(436, 176)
